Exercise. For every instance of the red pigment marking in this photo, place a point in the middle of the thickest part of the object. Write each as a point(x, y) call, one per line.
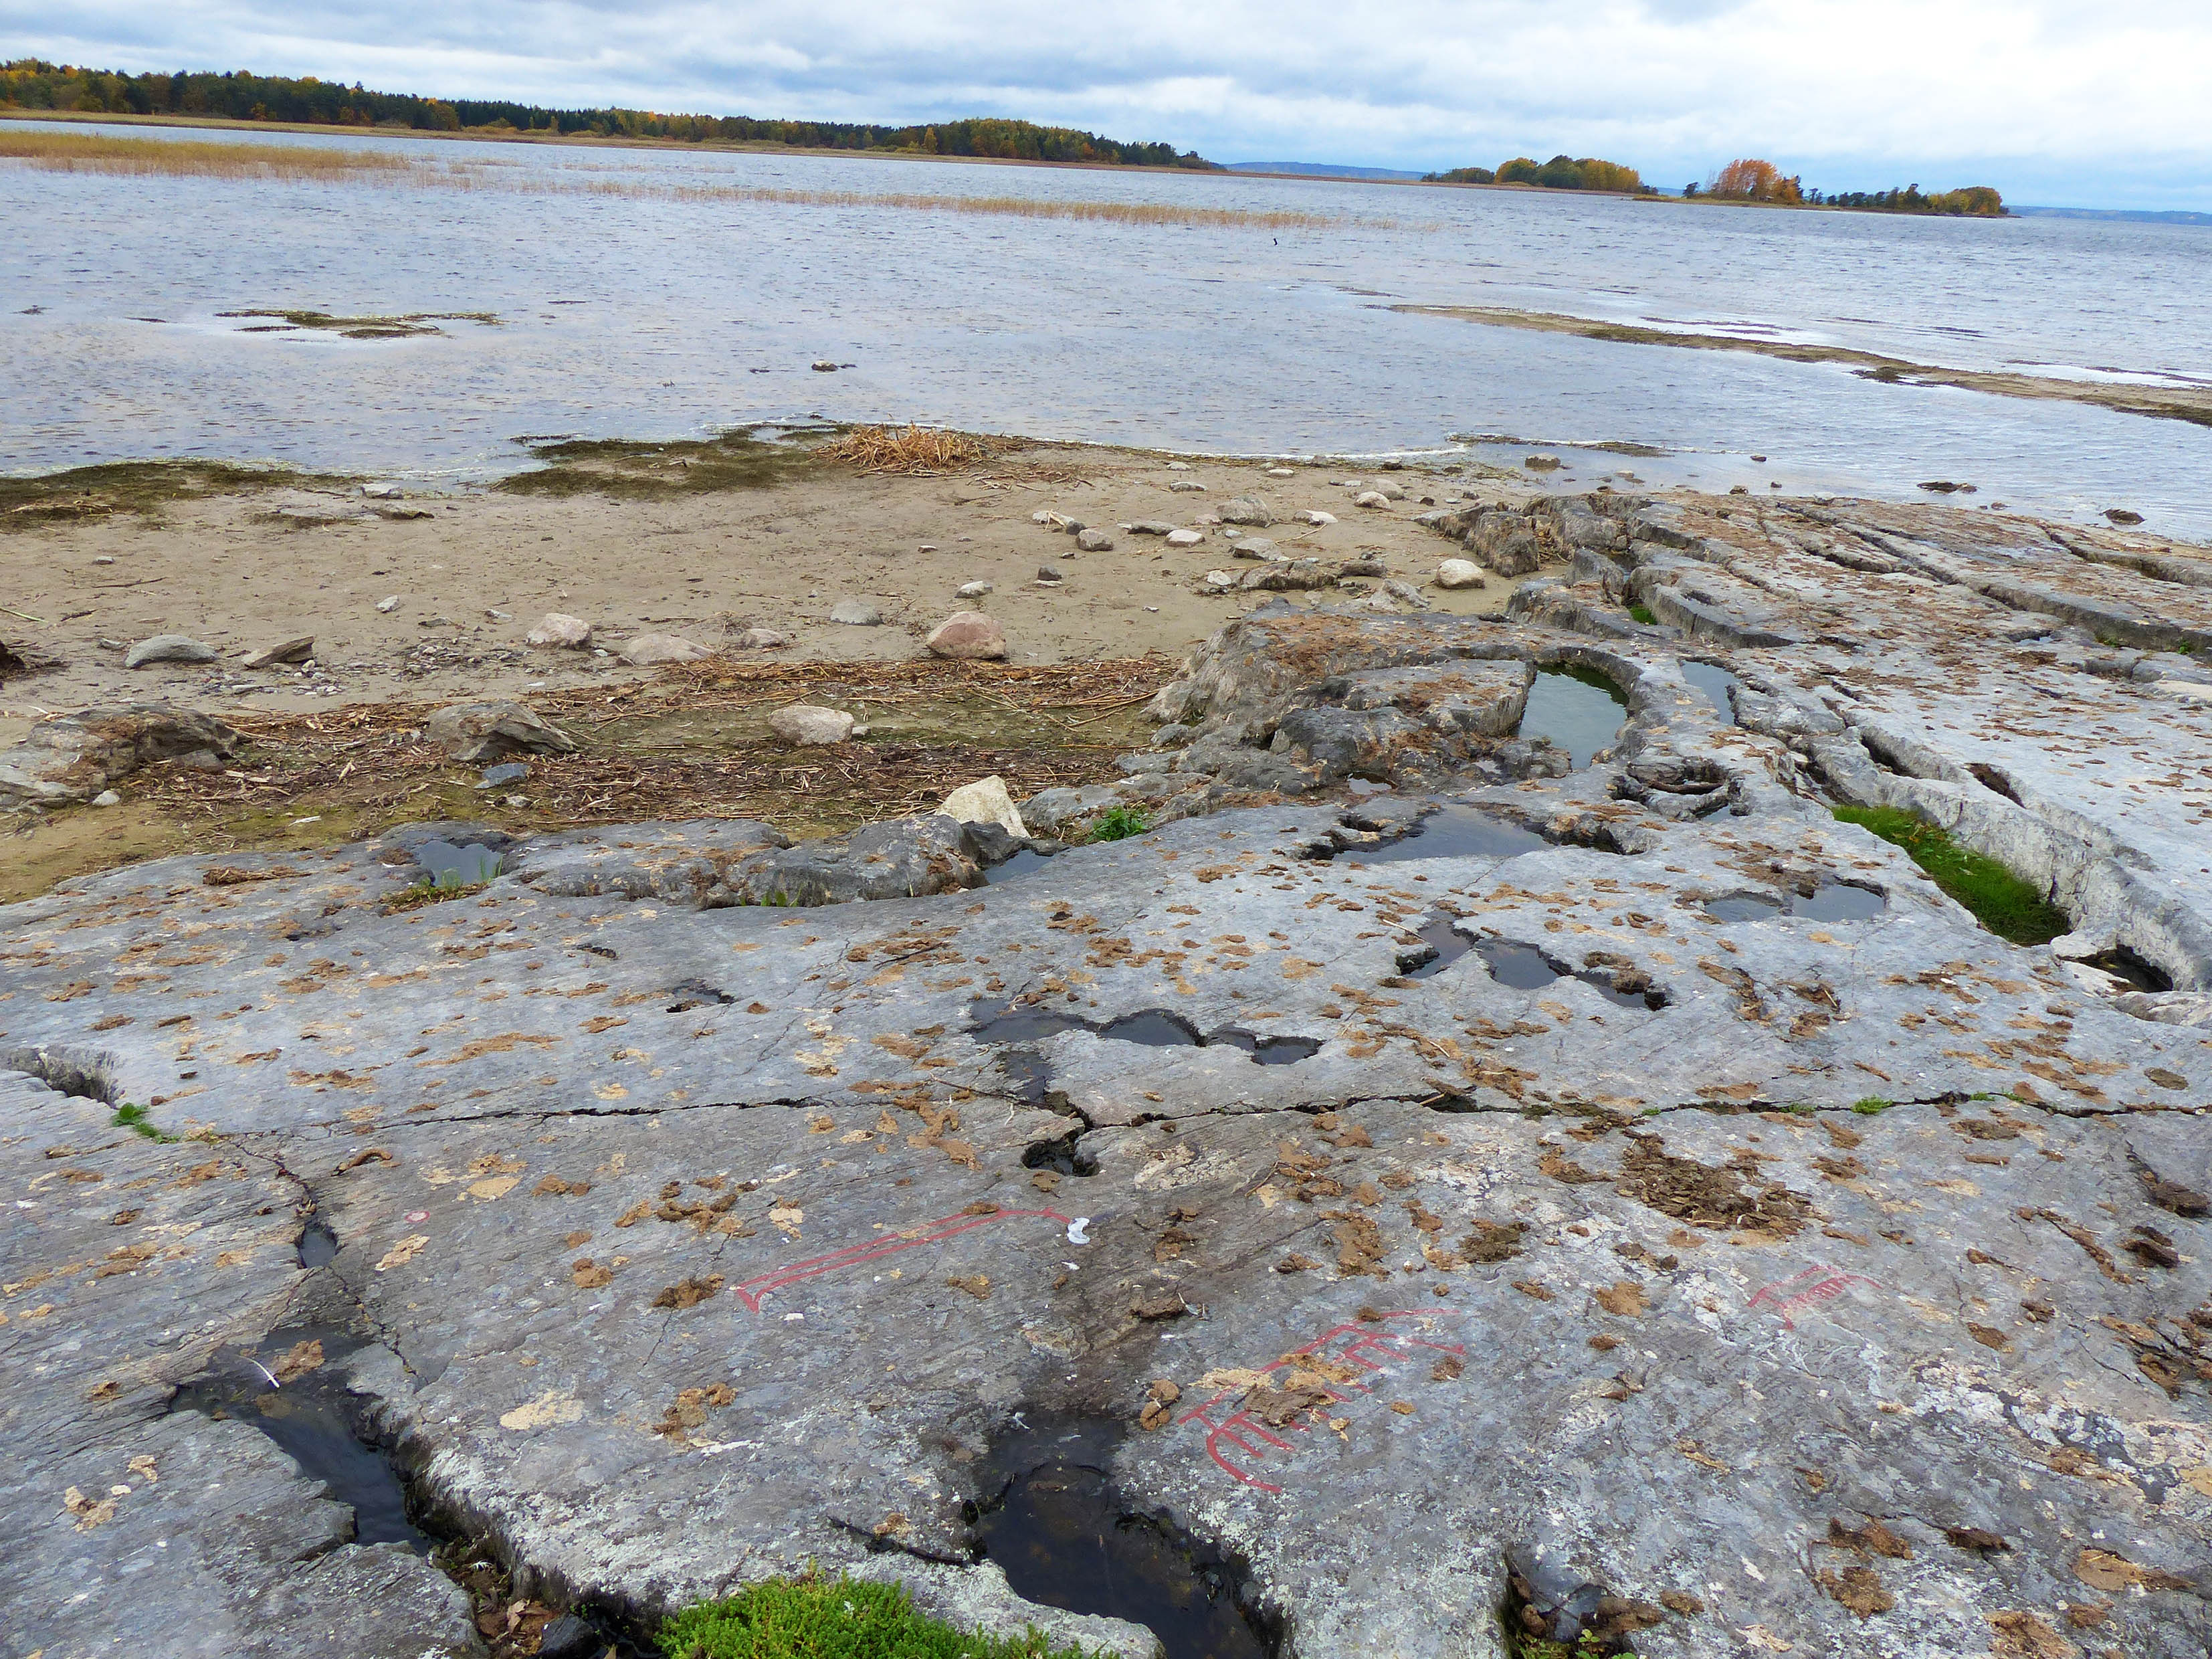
point(1813, 1286)
point(755, 1290)
point(1366, 1338)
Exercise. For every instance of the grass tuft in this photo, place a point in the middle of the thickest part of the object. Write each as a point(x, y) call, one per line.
point(1871, 1105)
point(2001, 900)
point(1120, 823)
point(133, 1117)
point(1643, 613)
point(430, 890)
point(82, 152)
point(819, 1618)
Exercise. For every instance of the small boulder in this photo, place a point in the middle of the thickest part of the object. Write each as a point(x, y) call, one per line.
point(856, 613)
point(167, 647)
point(969, 634)
point(1149, 527)
point(1317, 518)
point(1370, 498)
point(482, 732)
point(972, 591)
point(647, 650)
point(1459, 573)
point(762, 639)
point(985, 801)
point(297, 650)
point(1246, 509)
point(1048, 576)
point(560, 630)
point(804, 725)
point(1094, 541)
point(1185, 537)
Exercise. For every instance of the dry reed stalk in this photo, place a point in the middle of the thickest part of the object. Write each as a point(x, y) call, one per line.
point(920, 451)
point(71, 152)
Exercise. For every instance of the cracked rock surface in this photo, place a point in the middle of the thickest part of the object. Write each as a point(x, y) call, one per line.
point(1625, 1199)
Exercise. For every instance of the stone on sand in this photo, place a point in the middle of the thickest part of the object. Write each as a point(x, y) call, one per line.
point(1185, 537)
point(1247, 509)
point(1094, 541)
point(856, 613)
point(1459, 573)
point(167, 647)
point(559, 629)
point(970, 634)
point(292, 650)
point(647, 650)
point(762, 639)
point(481, 732)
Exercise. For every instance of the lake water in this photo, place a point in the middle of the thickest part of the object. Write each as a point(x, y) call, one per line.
point(638, 315)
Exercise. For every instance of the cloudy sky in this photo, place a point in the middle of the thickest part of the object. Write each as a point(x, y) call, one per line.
point(2083, 102)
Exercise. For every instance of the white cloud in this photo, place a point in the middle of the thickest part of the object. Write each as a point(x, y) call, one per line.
point(2050, 100)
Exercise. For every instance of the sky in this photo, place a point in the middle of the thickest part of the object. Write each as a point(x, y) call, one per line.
point(2058, 102)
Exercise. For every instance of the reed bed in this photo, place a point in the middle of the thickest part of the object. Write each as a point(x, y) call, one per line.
point(71, 152)
point(914, 450)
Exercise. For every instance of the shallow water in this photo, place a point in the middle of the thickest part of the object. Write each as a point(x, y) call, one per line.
point(1451, 832)
point(1151, 1028)
point(311, 1421)
point(1027, 862)
point(696, 315)
point(1831, 901)
point(1060, 1535)
point(1717, 683)
point(1573, 713)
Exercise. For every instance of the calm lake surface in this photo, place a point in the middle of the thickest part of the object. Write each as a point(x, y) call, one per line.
point(625, 311)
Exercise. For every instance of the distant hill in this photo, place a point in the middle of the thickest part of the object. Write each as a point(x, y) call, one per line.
point(30, 83)
point(1319, 169)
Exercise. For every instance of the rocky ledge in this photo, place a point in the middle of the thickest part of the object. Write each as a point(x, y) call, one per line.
point(1469, 1183)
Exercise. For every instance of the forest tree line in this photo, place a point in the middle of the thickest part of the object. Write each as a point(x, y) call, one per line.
point(1560, 173)
point(32, 83)
point(1748, 179)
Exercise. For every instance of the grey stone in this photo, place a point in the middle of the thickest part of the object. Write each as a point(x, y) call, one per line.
point(167, 647)
point(1247, 509)
point(289, 651)
point(856, 613)
point(650, 650)
point(802, 724)
point(482, 732)
point(560, 630)
point(1149, 527)
point(970, 634)
point(1094, 541)
point(72, 757)
point(762, 639)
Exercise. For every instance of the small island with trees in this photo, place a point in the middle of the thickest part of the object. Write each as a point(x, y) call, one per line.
point(1560, 173)
point(1747, 179)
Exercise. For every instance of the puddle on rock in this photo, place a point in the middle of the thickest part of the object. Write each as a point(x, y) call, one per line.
point(1525, 968)
point(1451, 832)
point(1442, 944)
point(1060, 1533)
point(319, 1245)
point(1831, 901)
point(1027, 862)
point(1576, 709)
point(1152, 1028)
point(1717, 683)
point(310, 1417)
point(459, 866)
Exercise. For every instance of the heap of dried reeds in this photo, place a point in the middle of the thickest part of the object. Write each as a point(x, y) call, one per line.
point(916, 450)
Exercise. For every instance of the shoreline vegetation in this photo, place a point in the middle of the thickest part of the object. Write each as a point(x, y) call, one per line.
point(1750, 180)
point(2190, 404)
point(72, 152)
point(1560, 173)
point(33, 86)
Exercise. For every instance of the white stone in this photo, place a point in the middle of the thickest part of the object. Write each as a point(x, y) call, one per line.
point(108, 798)
point(648, 649)
point(1185, 537)
point(1317, 518)
point(1370, 498)
point(762, 639)
point(856, 613)
point(1220, 578)
point(388, 606)
point(985, 801)
point(1459, 573)
point(1178, 466)
point(971, 590)
point(559, 629)
point(803, 725)
point(1186, 486)
point(1281, 472)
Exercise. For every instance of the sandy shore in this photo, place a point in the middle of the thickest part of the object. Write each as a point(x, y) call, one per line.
point(481, 566)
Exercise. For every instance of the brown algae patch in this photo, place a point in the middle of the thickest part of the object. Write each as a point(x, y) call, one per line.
point(624, 469)
point(412, 323)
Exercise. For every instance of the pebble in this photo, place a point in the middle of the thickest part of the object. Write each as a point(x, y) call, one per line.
point(103, 559)
point(1047, 574)
point(1370, 498)
point(762, 639)
point(108, 798)
point(1094, 541)
point(1185, 486)
point(804, 725)
point(856, 613)
point(971, 590)
point(167, 647)
point(559, 629)
point(291, 651)
point(1149, 527)
point(1317, 517)
point(1259, 547)
point(1280, 472)
point(1185, 537)
point(1220, 579)
point(388, 606)
point(1247, 509)
point(1178, 466)
point(968, 633)
point(1459, 573)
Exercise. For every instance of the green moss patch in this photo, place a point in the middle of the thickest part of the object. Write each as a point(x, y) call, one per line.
point(1120, 823)
point(628, 470)
point(2003, 903)
point(837, 1619)
point(141, 487)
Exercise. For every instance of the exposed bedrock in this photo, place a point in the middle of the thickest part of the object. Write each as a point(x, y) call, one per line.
point(1619, 1196)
